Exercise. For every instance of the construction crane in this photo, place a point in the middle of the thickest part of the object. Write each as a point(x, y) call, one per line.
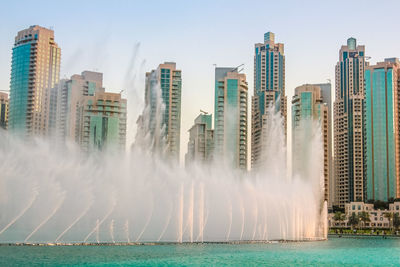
point(204, 112)
point(238, 68)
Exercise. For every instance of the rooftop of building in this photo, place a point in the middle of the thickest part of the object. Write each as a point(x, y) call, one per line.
point(3, 96)
point(34, 32)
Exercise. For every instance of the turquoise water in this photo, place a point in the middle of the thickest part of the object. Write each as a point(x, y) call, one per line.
point(334, 252)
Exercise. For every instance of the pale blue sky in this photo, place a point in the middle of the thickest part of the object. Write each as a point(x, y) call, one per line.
point(101, 35)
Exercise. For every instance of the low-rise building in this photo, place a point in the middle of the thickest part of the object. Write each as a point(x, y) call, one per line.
point(3, 110)
point(377, 217)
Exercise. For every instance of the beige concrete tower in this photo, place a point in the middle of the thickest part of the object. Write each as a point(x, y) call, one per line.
point(348, 124)
point(69, 93)
point(309, 107)
point(230, 120)
point(164, 85)
point(201, 140)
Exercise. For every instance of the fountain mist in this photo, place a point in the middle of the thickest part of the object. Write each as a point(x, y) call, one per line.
point(49, 195)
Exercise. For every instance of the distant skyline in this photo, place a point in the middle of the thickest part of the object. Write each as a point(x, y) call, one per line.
point(104, 36)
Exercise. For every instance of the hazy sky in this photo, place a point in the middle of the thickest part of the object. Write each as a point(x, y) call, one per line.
point(120, 37)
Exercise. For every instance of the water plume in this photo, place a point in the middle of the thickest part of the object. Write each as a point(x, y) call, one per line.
point(161, 201)
point(34, 195)
point(57, 207)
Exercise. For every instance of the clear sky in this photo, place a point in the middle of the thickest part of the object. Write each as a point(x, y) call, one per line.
point(123, 39)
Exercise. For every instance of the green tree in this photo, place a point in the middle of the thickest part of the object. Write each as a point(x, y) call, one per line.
point(339, 217)
point(381, 205)
point(364, 217)
point(396, 220)
point(353, 220)
point(390, 217)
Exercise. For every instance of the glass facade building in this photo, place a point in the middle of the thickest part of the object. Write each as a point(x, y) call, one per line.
point(35, 68)
point(230, 121)
point(163, 90)
point(381, 128)
point(101, 122)
point(269, 89)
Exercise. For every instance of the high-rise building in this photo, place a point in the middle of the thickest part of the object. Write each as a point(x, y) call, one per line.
point(326, 92)
point(382, 121)
point(348, 124)
point(35, 69)
point(310, 106)
point(101, 121)
point(68, 93)
point(3, 110)
point(201, 140)
point(163, 91)
point(269, 89)
point(230, 121)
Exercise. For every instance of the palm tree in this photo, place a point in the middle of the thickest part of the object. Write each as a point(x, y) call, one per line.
point(396, 220)
point(364, 217)
point(353, 220)
point(339, 217)
point(390, 217)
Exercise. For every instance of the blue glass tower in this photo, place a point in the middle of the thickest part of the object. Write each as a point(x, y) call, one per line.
point(381, 127)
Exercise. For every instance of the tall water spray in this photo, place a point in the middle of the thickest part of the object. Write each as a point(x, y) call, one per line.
point(64, 196)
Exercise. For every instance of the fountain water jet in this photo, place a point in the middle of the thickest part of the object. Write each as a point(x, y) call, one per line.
point(126, 230)
point(47, 218)
point(172, 203)
point(74, 222)
point(98, 223)
point(112, 230)
point(147, 222)
point(30, 203)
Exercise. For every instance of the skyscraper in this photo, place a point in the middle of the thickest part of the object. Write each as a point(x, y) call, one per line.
point(101, 121)
point(309, 106)
point(269, 89)
point(69, 93)
point(3, 110)
point(163, 91)
point(35, 69)
point(201, 140)
point(230, 121)
point(382, 121)
point(348, 124)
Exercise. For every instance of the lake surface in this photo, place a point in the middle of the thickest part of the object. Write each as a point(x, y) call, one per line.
point(371, 251)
